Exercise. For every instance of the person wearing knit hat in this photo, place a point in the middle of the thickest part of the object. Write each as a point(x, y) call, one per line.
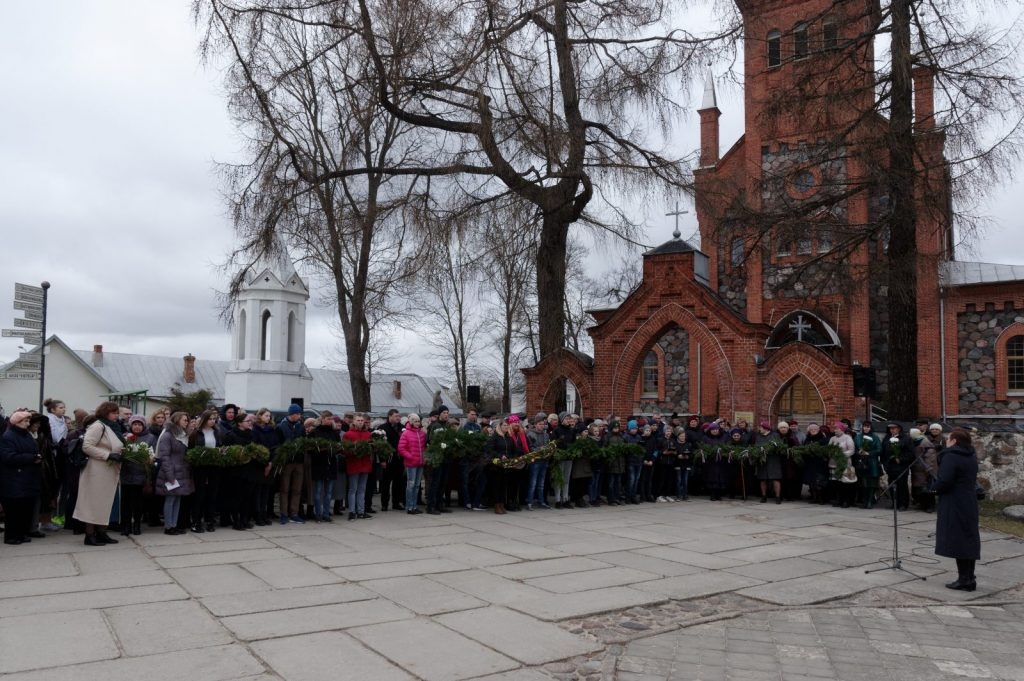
point(133, 478)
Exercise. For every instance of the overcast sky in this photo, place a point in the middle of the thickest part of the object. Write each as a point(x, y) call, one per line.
point(109, 129)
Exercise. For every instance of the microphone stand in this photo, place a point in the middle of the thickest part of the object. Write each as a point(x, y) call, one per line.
point(896, 563)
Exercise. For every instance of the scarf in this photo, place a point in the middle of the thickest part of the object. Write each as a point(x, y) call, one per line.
point(115, 427)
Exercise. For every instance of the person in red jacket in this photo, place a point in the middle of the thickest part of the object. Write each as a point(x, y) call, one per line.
point(358, 469)
point(412, 447)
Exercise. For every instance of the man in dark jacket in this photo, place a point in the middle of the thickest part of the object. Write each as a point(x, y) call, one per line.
point(897, 456)
point(293, 473)
point(392, 478)
point(20, 464)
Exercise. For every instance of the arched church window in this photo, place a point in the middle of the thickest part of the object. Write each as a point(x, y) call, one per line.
point(291, 337)
point(736, 252)
point(265, 335)
point(800, 42)
point(1015, 363)
point(241, 334)
point(774, 49)
point(801, 326)
point(649, 376)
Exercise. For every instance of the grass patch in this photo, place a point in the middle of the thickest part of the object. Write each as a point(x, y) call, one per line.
point(990, 516)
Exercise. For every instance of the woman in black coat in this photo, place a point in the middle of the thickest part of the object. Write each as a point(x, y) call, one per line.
point(20, 463)
point(956, 527)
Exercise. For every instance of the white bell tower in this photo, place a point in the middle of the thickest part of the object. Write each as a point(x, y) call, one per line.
point(268, 341)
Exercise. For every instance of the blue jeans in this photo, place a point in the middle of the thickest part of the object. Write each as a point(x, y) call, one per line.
point(414, 477)
point(535, 488)
point(594, 495)
point(323, 493)
point(357, 492)
point(682, 483)
point(172, 505)
point(614, 486)
point(633, 479)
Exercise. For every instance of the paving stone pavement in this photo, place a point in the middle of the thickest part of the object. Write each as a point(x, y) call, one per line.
point(699, 590)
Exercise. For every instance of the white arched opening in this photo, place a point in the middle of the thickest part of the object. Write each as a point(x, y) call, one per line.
point(265, 335)
point(242, 322)
point(292, 338)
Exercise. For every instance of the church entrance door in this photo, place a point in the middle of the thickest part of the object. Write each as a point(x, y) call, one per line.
point(800, 401)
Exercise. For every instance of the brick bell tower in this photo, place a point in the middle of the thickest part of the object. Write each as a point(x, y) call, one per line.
point(780, 210)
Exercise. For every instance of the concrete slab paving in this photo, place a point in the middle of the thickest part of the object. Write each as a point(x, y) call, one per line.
point(423, 596)
point(514, 593)
point(326, 656)
point(531, 642)
point(27, 642)
point(431, 651)
point(167, 627)
point(294, 621)
point(288, 573)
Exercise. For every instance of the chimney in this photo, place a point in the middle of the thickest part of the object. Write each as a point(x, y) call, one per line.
point(396, 390)
point(189, 374)
point(97, 355)
point(709, 114)
point(924, 98)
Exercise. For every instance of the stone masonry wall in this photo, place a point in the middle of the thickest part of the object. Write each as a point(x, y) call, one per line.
point(976, 339)
point(675, 344)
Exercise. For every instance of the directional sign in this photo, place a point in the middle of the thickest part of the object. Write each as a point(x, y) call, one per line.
point(29, 324)
point(28, 361)
point(28, 305)
point(26, 292)
point(30, 335)
point(20, 375)
point(36, 314)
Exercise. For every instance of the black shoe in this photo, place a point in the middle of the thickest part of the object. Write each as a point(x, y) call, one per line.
point(351, 516)
point(370, 510)
point(15, 542)
point(363, 516)
point(35, 534)
point(239, 527)
point(398, 507)
point(963, 584)
point(105, 538)
point(433, 511)
point(778, 500)
point(414, 511)
point(444, 509)
point(93, 540)
point(211, 527)
point(137, 527)
point(171, 530)
point(764, 500)
point(198, 528)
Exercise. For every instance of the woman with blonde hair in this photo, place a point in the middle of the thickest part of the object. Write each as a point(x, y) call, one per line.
point(97, 486)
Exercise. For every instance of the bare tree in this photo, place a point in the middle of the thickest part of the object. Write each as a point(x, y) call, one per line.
point(449, 304)
point(549, 101)
point(875, 149)
point(509, 260)
point(305, 101)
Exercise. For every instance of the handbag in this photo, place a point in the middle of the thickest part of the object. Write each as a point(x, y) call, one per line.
point(76, 453)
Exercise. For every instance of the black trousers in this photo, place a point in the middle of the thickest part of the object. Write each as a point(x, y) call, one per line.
point(17, 517)
point(132, 505)
point(204, 501)
point(371, 485)
point(392, 483)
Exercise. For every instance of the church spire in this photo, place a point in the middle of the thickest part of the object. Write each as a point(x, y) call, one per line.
point(709, 114)
point(710, 100)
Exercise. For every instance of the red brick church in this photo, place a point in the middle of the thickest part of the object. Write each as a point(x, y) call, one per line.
point(725, 328)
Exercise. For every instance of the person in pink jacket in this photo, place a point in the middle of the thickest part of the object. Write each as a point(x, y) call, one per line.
point(412, 447)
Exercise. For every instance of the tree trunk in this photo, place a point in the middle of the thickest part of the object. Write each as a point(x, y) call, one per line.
point(551, 281)
point(902, 253)
point(356, 363)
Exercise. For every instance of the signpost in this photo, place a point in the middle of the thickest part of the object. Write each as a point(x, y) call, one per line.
point(31, 300)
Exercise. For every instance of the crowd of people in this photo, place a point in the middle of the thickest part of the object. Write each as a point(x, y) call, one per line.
point(68, 471)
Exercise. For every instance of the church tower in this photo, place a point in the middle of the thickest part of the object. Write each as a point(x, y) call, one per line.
point(268, 341)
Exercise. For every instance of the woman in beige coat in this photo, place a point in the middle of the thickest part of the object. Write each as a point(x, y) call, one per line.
point(102, 443)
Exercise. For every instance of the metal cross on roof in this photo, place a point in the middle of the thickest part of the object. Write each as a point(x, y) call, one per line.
point(676, 234)
point(799, 326)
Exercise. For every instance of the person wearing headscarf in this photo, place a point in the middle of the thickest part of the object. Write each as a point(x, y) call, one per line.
point(19, 478)
point(769, 472)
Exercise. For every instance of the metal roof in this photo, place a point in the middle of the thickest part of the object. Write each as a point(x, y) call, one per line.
point(672, 246)
point(956, 273)
point(126, 372)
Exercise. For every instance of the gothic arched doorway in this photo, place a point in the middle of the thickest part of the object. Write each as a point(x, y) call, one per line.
point(800, 401)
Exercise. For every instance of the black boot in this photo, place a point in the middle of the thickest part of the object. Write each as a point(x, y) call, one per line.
point(105, 538)
point(137, 527)
point(91, 540)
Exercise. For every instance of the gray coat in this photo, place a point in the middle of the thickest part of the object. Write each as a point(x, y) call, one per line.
point(171, 453)
point(956, 526)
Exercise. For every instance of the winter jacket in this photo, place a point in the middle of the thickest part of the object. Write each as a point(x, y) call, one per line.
point(19, 473)
point(357, 464)
point(956, 524)
point(412, 446)
point(173, 466)
point(134, 473)
point(537, 439)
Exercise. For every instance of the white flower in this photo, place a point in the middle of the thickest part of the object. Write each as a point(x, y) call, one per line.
point(444, 445)
point(894, 440)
